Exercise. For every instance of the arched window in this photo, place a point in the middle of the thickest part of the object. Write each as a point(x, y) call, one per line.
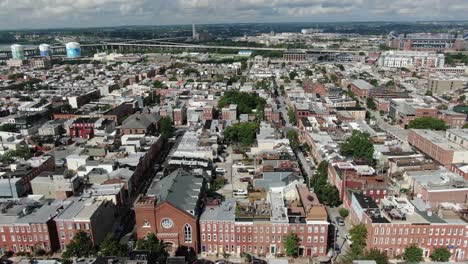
point(188, 233)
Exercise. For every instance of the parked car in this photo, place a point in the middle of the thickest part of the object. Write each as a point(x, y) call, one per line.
point(245, 179)
point(220, 170)
point(339, 221)
point(240, 193)
point(202, 261)
point(348, 238)
point(222, 261)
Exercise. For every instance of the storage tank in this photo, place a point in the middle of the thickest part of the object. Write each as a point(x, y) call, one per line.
point(73, 49)
point(44, 50)
point(17, 52)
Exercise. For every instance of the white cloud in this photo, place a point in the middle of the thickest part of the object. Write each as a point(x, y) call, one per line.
point(57, 13)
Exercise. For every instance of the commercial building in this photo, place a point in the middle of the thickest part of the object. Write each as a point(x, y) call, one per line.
point(444, 147)
point(399, 59)
point(360, 88)
point(441, 86)
point(426, 41)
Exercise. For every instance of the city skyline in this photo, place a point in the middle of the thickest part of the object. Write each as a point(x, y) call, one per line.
point(85, 13)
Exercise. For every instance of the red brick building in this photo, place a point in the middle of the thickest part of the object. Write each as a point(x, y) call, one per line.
point(171, 210)
point(235, 227)
point(89, 215)
point(397, 223)
point(27, 225)
point(83, 128)
point(437, 146)
point(360, 88)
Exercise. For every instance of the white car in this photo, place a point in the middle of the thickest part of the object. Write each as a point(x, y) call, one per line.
point(220, 170)
point(349, 238)
point(240, 193)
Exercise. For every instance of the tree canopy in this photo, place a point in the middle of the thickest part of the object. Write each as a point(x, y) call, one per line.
point(343, 212)
point(427, 122)
point(80, 246)
point(111, 247)
point(152, 244)
point(441, 254)
point(359, 146)
point(358, 236)
point(245, 102)
point(291, 245)
point(166, 128)
point(189, 253)
point(371, 104)
point(293, 138)
point(292, 116)
point(241, 133)
point(413, 253)
point(326, 193)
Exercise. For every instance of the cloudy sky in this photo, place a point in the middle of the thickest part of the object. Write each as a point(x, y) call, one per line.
point(93, 13)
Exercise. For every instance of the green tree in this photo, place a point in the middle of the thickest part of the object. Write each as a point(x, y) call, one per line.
point(441, 254)
point(293, 137)
point(428, 93)
point(166, 127)
point(291, 245)
point(341, 67)
point(173, 79)
point(326, 193)
point(376, 255)
point(158, 84)
point(462, 98)
point(413, 253)
point(374, 82)
point(358, 146)
point(427, 122)
point(111, 247)
point(309, 72)
point(333, 78)
point(241, 133)
point(152, 244)
point(358, 236)
point(245, 102)
point(80, 246)
point(343, 212)
point(189, 253)
point(292, 75)
point(442, 107)
point(292, 116)
point(371, 104)
point(8, 128)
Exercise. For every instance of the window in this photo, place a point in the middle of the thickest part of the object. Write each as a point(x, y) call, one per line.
point(187, 233)
point(146, 224)
point(203, 237)
point(61, 225)
point(70, 226)
point(322, 229)
point(86, 226)
point(77, 226)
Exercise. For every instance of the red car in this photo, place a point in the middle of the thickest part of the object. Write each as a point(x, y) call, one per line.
point(245, 179)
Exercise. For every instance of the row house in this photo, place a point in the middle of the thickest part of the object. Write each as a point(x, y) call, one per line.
point(397, 223)
point(27, 225)
point(260, 228)
point(90, 215)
